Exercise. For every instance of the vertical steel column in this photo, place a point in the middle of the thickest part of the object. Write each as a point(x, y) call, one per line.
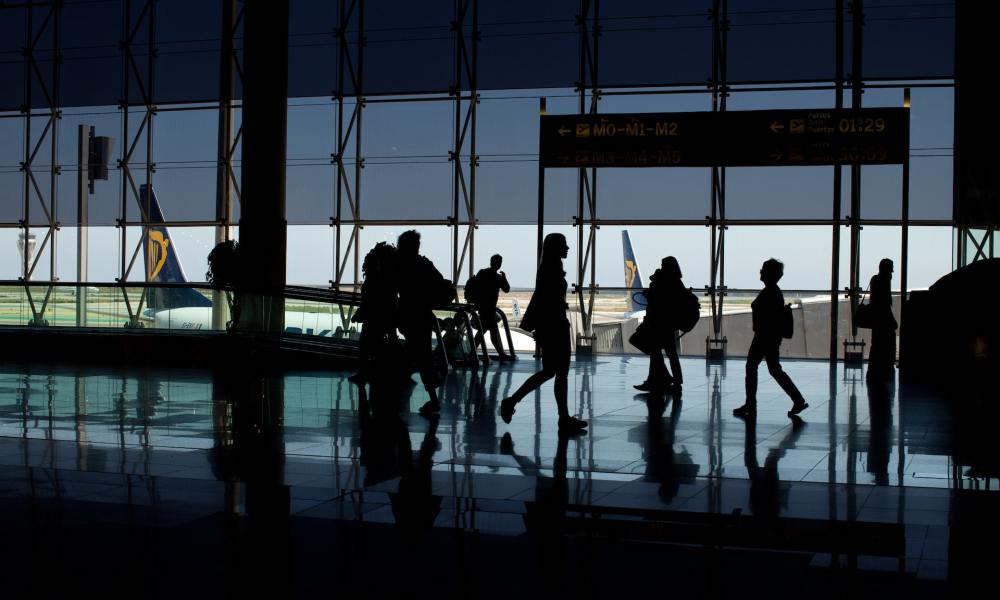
point(349, 69)
point(854, 220)
point(837, 192)
point(34, 34)
point(226, 181)
point(904, 256)
point(230, 72)
point(463, 189)
point(130, 68)
point(85, 137)
point(717, 219)
point(590, 31)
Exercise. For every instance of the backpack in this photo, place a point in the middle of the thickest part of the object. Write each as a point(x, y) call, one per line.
point(688, 312)
point(442, 293)
point(471, 291)
point(787, 322)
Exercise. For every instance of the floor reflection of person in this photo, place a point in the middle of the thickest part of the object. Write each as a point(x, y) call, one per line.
point(766, 497)
point(663, 464)
point(880, 430)
point(414, 505)
point(545, 517)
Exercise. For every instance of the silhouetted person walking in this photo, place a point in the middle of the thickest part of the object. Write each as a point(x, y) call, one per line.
point(546, 316)
point(767, 318)
point(882, 357)
point(488, 284)
point(664, 296)
point(378, 311)
point(418, 282)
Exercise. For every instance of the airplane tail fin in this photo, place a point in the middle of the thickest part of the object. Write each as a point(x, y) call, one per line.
point(633, 278)
point(161, 260)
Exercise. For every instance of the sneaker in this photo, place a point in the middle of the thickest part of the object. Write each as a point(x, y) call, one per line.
point(798, 407)
point(570, 424)
point(747, 411)
point(507, 409)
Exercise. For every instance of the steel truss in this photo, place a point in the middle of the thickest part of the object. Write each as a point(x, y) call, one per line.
point(144, 80)
point(230, 72)
point(467, 35)
point(227, 183)
point(715, 346)
point(585, 221)
point(977, 241)
point(348, 187)
point(34, 51)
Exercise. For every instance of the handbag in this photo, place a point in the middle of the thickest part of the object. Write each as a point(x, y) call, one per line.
point(863, 316)
point(644, 338)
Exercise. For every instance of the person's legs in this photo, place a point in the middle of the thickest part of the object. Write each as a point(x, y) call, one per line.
point(496, 339)
point(882, 356)
point(657, 373)
point(771, 355)
point(418, 348)
point(531, 384)
point(754, 355)
point(675, 362)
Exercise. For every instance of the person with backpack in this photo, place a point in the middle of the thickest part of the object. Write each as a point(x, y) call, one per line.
point(377, 313)
point(667, 299)
point(546, 316)
point(421, 288)
point(770, 325)
point(483, 292)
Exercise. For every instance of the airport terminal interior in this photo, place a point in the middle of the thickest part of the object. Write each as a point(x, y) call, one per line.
point(701, 304)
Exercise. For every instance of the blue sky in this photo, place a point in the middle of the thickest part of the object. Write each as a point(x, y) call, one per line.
point(407, 175)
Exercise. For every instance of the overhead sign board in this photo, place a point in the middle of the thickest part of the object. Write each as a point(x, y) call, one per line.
point(733, 138)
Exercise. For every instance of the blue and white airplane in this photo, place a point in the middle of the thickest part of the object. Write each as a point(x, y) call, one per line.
point(187, 308)
point(633, 280)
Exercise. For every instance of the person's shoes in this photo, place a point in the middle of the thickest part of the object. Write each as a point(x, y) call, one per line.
point(747, 411)
point(571, 425)
point(645, 386)
point(430, 408)
point(507, 409)
point(798, 407)
point(357, 379)
point(506, 444)
point(505, 358)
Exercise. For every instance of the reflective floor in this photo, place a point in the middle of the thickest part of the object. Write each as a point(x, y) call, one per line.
point(300, 451)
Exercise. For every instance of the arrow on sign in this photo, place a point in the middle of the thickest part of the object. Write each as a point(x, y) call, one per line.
point(776, 156)
point(564, 130)
point(776, 126)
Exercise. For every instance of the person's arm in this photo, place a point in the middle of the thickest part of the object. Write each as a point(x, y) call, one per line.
point(503, 282)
